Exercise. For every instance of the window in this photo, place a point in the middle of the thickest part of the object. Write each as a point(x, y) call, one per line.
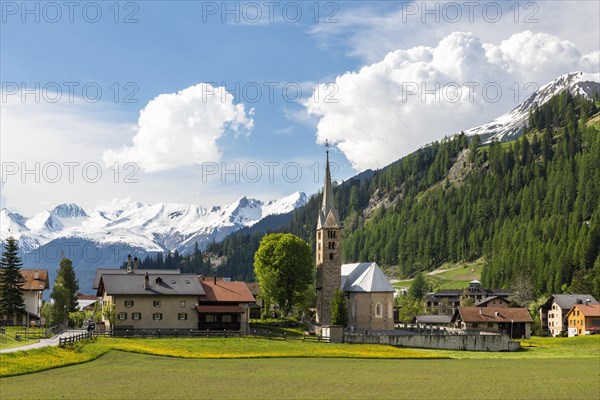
point(475, 325)
point(182, 316)
point(390, 310)
point(122, 315)
point(378, 310)
point(226, 318)
point(182, 304)
point(331, 256)
point(157, 316)
point(156, 303)
point(210, 318)
point(319, 235)
point(490, 325)
point(128, 303)
point(136, 316)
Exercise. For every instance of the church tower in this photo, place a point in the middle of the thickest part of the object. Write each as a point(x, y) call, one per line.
point(329, 239)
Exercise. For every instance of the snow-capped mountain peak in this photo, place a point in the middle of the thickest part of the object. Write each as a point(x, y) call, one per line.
point(512, 124)
point(151, 227)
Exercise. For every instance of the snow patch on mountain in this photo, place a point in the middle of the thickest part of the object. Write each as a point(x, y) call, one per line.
point(512, 124)
point(151, 227)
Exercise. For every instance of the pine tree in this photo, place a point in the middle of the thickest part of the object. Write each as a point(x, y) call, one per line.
point(11, 297)
point(70, 283)
point(339, 311)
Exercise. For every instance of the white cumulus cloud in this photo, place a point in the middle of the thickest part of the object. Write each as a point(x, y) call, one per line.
point(182, 129)
point(415, 96)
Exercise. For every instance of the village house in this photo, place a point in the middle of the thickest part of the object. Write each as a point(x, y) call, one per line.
point(369, 295)
point(86, 302)
point(34, 282)
point(445, 302)
point(515, 322)
point(225, 305)
point(256, 309)
point(583, 319)
point(151, 301)
point(553, 313)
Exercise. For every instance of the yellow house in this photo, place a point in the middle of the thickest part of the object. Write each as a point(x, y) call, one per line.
point(583, 319)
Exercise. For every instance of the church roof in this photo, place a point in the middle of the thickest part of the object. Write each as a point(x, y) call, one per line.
point(328, 215)
point(364, 277)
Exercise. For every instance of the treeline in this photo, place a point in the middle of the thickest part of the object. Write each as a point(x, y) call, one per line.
point(530, 207)
point(195, 262)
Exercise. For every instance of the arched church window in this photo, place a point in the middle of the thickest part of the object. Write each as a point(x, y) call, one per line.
point(378, 310)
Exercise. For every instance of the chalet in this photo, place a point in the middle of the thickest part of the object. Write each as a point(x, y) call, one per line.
point(151, 300)
point(515, 322)
point(225, 305)
point(446, 301)
point(553, 313)
point(34, 282)
point(583, 319)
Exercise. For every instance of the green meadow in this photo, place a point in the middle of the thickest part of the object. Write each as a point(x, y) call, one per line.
point(546, 368)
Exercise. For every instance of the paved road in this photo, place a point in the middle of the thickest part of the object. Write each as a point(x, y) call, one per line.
point(53, 341)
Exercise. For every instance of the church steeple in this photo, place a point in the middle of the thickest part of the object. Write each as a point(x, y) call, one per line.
point(328, 215)
point(328, 252)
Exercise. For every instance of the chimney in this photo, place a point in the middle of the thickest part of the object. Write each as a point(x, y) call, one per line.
point(129, 264)
point(215, 279)
point(36, 275)
point(135, 263)
point(587, 302)
point(146, 281)
point(480, 311)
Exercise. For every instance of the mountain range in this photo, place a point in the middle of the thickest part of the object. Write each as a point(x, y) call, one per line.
point(105, 236)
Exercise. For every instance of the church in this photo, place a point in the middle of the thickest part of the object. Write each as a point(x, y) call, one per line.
point(368, 292)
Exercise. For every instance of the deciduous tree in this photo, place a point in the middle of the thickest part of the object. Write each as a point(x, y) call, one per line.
point(284, 269)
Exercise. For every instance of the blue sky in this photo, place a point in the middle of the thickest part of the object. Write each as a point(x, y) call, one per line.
point(165, 58)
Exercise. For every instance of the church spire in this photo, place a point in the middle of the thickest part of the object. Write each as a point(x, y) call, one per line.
point(328, 206)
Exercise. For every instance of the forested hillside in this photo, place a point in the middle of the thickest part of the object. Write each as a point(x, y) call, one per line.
point(530, 207)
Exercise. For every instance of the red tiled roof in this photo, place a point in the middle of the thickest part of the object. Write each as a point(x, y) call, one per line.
point(35, 279)
point(593, 310)
point(494, 314)
point(220, 309)
point(225, 291)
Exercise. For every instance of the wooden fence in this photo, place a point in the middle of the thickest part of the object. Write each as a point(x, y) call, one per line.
point(63, 341)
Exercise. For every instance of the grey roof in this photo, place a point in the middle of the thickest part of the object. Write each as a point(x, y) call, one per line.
point(433, 319)
point(566, 301)
point(121, 271)
point(172, 284)
point(364, 277)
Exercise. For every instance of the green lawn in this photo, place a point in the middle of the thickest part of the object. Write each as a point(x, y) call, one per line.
point(453, 276)
point(135, 376)
point(7, 339)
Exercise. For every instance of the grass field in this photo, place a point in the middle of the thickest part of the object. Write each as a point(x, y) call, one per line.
point(547, 368)
point(450, 276)
point(7, 339)
point(126, 375)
